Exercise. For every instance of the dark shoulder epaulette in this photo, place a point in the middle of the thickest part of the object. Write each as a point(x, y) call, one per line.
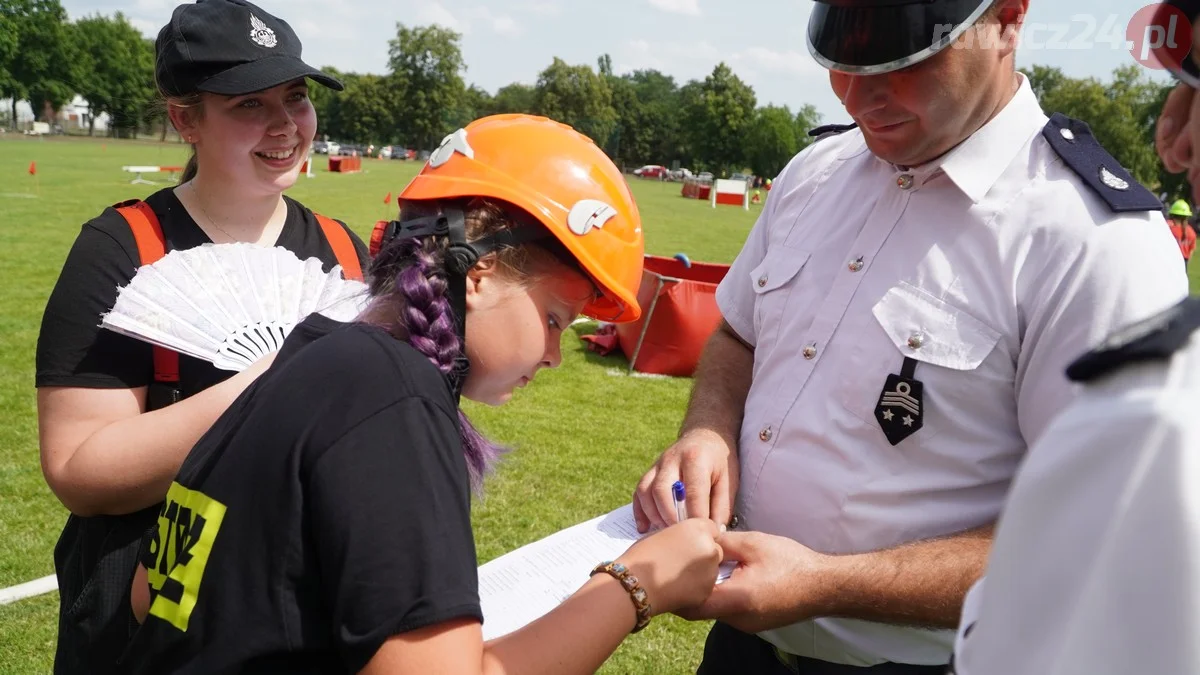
point(1153, 339)
point(1072, 139)
point(830, 130)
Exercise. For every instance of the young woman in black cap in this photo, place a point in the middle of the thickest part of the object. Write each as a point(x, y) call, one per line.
point(117, 417)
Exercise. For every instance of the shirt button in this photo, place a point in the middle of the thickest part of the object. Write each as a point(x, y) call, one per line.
point(765, 434)
point(762, 281)
point(905, 181)
point(1067, 134)
point(856, 265)
point(810, 351)
point(915, 341)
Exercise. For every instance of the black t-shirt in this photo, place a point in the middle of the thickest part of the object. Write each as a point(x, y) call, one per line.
point(72, 349)
point(95, 557)
point(327, 510)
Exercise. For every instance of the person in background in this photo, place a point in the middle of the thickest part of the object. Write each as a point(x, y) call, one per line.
point(1177, 219)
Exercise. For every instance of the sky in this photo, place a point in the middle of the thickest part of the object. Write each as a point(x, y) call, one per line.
point(513, 40)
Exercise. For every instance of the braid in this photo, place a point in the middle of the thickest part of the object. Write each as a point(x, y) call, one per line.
point(426, 316)
point(426, 321)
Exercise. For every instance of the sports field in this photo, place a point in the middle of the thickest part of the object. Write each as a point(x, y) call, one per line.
point(582, 434)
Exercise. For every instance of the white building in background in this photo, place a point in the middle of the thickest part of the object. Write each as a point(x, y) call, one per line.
point(73, 117)
point(24, 114)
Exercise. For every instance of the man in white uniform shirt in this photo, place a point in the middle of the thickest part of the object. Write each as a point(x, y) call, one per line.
point(894, 337)
point(1095, 569)
point(1096, 564)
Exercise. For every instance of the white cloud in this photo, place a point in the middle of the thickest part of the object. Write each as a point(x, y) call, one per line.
point(437, 13)
point(683, 60)
point(789, 62)
point(146, 27)
point(541, 7)
point(163, 7)
point(505, 25)
point(469, 20)
point(696, 60)
point(501, 24)
point(689, 7)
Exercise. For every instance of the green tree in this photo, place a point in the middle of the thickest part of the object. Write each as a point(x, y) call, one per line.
point(1044, 79)
point(475, 103)
point(646, 107)
point(426, 67)
point(8, 51)
point(627, 144)
point(717, 115)
point(689, 102)
point(324, 101)
point(43, 66)
point(806, 120)
point(658, 125)
point(776, 136)
point(1120, 113)
point(118, 71)
point(771, 140)
point(577, 96)
point(604, 66)
point(363, 114)
point(514, 98)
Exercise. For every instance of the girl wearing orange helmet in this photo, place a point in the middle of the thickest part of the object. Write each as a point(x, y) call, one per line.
point(323, 525)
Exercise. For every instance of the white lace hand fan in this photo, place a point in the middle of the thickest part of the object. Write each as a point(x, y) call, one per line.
point(230, 304)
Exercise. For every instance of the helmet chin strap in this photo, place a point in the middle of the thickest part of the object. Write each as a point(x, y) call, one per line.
point(461, 256)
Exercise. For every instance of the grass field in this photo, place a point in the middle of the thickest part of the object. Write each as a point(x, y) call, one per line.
point(581, 436)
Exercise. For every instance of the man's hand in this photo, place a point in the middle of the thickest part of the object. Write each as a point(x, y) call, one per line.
point(705, 457)
point(777, 582)
point(708, 467)
point(1173, 133)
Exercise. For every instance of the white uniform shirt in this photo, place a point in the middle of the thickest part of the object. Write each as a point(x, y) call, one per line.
point(1095, 569)
point(992, 267)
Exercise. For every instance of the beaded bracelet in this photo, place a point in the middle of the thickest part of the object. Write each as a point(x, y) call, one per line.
point(641, 603)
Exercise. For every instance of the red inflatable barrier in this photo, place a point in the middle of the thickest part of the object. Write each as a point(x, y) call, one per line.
point(679, 313)
point(696, 189)
point(345, 164)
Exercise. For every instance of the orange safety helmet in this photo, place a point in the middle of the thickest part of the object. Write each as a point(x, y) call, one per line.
point(561, 178)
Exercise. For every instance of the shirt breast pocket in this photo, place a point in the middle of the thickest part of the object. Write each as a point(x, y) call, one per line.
point(948, 346)
point(774, 282)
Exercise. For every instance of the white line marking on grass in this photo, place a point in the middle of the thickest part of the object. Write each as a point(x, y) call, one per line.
point(28, 589)
point(617, 372)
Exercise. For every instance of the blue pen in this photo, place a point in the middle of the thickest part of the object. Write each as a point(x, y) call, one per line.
point(678, 493)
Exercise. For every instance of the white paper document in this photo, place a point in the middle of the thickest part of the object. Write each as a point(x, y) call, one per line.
point(523, 585)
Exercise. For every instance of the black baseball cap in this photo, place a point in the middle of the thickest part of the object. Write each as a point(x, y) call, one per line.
point(868, 37)
point(228, 47)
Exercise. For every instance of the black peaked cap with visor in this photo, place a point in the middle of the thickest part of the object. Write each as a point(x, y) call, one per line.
point(229, 47)
point(869, 37)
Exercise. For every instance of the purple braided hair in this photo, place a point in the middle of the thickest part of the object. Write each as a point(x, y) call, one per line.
point(426, 321)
